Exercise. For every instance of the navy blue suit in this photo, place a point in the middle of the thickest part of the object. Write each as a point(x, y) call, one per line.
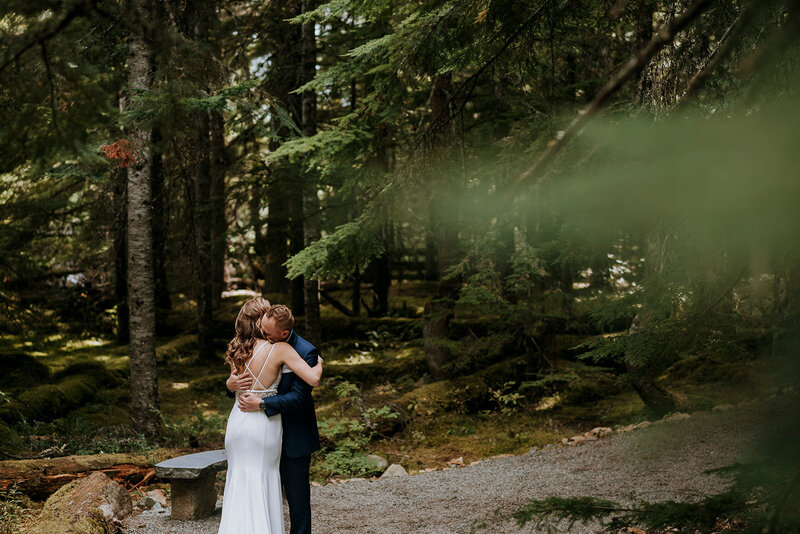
point(300, 436)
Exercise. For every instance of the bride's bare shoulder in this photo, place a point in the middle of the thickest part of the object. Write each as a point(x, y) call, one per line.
point(284, 348)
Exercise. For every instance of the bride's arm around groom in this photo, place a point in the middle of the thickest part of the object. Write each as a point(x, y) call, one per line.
point(296, 406)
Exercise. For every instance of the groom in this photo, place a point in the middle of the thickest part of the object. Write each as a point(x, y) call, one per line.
point(300, 434)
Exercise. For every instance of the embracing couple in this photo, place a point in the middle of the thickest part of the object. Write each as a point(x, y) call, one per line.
point(272, 427)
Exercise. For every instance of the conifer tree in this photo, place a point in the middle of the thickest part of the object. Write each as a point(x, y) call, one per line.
point(141, 294)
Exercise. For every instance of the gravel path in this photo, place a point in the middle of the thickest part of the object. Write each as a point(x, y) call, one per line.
point(664, 461)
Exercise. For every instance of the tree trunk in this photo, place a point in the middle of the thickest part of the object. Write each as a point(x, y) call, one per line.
point(439, 311)
point(642, 374)
point(163, 300)
point(645, 9)
point(257, 260)
point(431, 254)
point(276, 242)
point(311, 222)
point(219, 224)
point(121, 256)
point(355, 296)
point(201, 17)
point(145, 406)
point(296, 244)
point(284, 75)
point(40, 478)
point(202, 232)
point(383, 275)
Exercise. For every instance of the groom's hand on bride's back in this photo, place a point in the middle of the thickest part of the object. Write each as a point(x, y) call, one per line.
point(239, 381)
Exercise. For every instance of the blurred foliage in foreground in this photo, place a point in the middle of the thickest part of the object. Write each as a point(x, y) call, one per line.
point(719, 197)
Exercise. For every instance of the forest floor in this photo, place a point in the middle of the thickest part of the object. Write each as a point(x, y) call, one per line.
point(670, 460)
point(465, 416)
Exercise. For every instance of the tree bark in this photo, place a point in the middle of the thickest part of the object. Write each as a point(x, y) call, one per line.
point(283, 176)
point(311, 221)
point(202, 233)
point(201, 17)
point(219, 223)
point(259, 240)
point(163, 300)
point(276, 241)
point(355, 295)
point(121, 256)
point(40, 478)
point(665, 35)
point(645, 9)
point(642, 374)
point(145, 405)
point(438, 312)
point(296, 244)
point(431, 254)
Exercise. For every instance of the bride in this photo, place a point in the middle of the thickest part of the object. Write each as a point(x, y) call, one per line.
point(252, 501)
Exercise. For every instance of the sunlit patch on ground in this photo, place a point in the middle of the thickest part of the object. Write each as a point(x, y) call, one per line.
point(548, 402)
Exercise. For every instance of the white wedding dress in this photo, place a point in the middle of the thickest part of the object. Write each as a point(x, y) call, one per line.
point(252, 502)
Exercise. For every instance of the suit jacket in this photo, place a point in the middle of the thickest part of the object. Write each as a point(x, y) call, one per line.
point(294, 402)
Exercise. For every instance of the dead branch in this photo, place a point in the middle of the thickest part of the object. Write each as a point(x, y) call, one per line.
point(636, 63)
point(722, 50)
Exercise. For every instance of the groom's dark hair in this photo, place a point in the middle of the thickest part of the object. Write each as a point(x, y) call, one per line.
point(282, 316)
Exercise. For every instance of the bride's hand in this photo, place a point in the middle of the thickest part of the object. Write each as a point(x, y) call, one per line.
point(249, 402)
point(239, 382)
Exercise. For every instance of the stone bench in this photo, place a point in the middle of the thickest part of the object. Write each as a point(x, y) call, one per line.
point(192, 478)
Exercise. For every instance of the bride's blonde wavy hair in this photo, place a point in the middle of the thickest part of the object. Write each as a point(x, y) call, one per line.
point(248, 330)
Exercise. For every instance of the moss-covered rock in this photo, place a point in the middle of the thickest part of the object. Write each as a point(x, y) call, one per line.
point(384, 367)
point(78, 385)
point(9, 439)
point(21, 370)
point(95, 416)
point(49, 522)
point(84, 506)
point(177, 348)
point(106, 377)
point(209, 384)
point(464, 394)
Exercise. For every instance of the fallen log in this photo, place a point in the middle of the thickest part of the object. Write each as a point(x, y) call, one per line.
point(40, 478)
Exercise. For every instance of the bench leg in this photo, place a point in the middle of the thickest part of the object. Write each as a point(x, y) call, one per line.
point(193, 499)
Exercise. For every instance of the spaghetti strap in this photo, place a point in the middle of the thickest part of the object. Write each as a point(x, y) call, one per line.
point(247, 363)
point(264, 364)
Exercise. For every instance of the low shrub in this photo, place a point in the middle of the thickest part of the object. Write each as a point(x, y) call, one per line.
point(345, 438)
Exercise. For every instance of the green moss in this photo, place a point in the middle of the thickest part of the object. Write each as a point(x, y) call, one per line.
point(377, 366)
point(20, 370)
point(106, 377)
point(209, 384)
point(49, 522)
point(177, 348)
point(56, 516)
point(49, 401)
point(95, 416)
point(9, 439)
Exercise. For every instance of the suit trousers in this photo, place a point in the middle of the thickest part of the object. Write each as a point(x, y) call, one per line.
point(295, 480)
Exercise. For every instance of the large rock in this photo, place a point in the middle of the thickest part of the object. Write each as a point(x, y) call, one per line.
point(599, 431)
point(379, 462)
point(88, 505)
point(394, 470)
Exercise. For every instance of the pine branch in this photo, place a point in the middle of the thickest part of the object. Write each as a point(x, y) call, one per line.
point(636, 63)
point(48, 32)
point(723, 49)
point(435, 123)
